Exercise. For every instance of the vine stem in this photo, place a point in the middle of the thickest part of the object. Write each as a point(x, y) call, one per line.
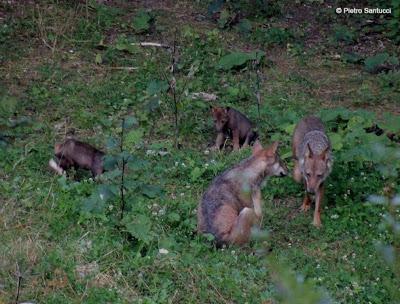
point(122, 184)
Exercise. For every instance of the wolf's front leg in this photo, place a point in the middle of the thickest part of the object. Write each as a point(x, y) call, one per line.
point(219, 141)
point(247, 141)
point(235, 135)
point(318, 201)
point(241, 230)
point(306, 203)
point(256, 198)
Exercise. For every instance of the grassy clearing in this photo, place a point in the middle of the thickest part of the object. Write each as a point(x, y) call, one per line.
point(65, 70)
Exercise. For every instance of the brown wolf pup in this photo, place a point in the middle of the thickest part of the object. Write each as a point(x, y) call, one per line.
point(230, 122)
point(232, 203)
point(313, 161)
point(74, 153)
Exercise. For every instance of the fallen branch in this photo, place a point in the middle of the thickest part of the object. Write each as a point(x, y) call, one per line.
point(124, 68)
point(155, 44)
point(205, 96)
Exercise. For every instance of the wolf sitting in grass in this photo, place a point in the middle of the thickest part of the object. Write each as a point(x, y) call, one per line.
point(232, 204)
point(313, 161)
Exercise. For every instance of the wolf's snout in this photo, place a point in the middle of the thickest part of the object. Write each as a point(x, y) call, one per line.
point(283, 173)
point(311, 190)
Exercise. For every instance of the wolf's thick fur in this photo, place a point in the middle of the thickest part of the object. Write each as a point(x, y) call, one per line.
point(313, 161)
point(232, 203)
point(230, 122)
point(74, 153)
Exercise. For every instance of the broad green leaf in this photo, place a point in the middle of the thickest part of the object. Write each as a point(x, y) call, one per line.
point(97, 201)
point(372, 63)
point(8, 105)
point(129, 122)
point(134, 137)
point(244, 26)
point(336, 141)
point(223, 18)
point(135, 163)
point(139, 226)
point(328, 115)
point(352, 58)
point(112, 143)
point(157, 86)
point(391, 122)
point(290, 128)
point(98, 59)
point(141, 21)
point(196, 173)
point(174, 217)
point(110, 162)
point(355, 122)
point(237, 59)
point(151, 191)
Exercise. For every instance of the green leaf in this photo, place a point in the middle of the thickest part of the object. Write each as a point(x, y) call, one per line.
point(129, 122)
point(244, 26)
point(328, 115)
point(134, 137)
point(157, 86)
point(141, 21)
point(196, 173)
point(336, 141)
point(110, 162)
point(391, 122)
point(97, 201)
point(352, 58)
point(98, 59)
point(174, 217)
point(223, 18)
point(8, 106)
point(139, 226)
point(237, 59)
point(372, 62)
point(151, 191)
point(290, 128)
point(112, 143)
point(135, 163)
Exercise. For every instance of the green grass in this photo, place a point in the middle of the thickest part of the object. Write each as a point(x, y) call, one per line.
point(67, 254)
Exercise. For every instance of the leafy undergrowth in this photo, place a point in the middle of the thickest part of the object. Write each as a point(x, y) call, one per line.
point(77, 70)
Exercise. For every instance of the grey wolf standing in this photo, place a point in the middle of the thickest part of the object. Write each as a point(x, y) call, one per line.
point(313, 161)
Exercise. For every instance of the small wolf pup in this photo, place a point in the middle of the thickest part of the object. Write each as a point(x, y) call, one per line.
point(313, 161)
point(74, 153)
point(232, 204)
point(230, 122)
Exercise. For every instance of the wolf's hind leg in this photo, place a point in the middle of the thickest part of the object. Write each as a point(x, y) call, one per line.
point(240, 233)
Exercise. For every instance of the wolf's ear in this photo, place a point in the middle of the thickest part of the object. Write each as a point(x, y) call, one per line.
point(226, 109)
point(324, 154)
point(272, 149)
point(309, 152)
point(257, 147)
point(57, 148)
